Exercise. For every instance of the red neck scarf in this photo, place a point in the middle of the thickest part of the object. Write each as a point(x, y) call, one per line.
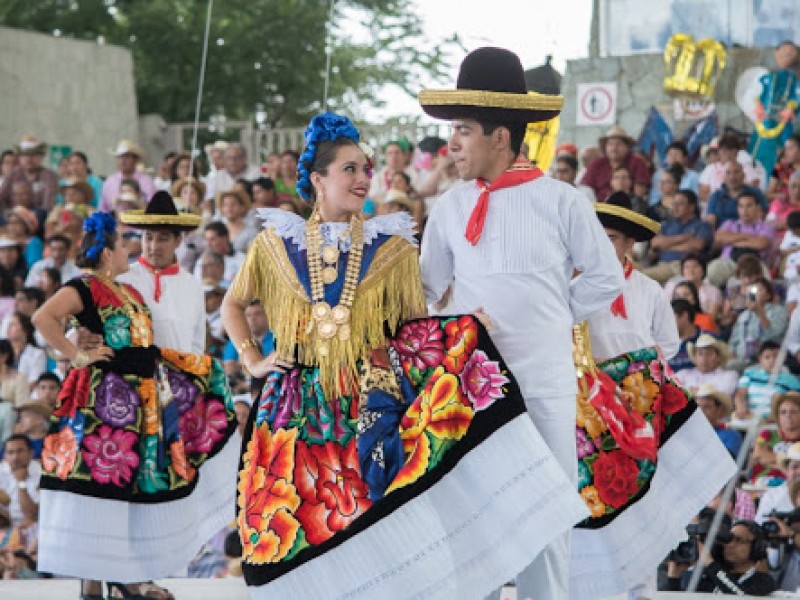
point(173, 269)
point(522, 171)
point(618, 305)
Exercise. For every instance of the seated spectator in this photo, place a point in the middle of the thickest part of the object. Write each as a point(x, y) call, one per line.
point(773, 442)
point(748, 270)
point(749, 234)
point(79, 168)
point(58, 248)
point(682, 233)
point(259, 329)
point(214, 294)
point(47, 389)
point(786, 569)
point(621, 181)
point(709, 354)
point(713, 176)
point(788, 161)
point(616, 147)
point(218, 240)
point(762, 320)
point(777, 498)
point(688, 332)
point(22, 226)
point(11, 260)
point(677, 154)
point(688, 291)
point(49, 281)
point(19, 479)
point(233, 206)
point(669, 184)
point(783, 206)
point(28, 357)
point(693, 268)
point(717, 407)
point(13, 390)
point(7, 292)
point(754, 393)
point(566, 169)
point(264, 196)
point(212, 268)
point(33, 421)
point(242, 404)
point(790, 247)
point(27, 301)
point(723, 204)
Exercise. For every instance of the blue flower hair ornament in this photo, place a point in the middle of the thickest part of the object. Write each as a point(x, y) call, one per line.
point(98, 225)
point(326, 127)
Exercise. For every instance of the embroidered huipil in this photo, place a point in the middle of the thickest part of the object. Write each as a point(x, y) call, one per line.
point(179, 317)
point(650, 322)
point(521, 272)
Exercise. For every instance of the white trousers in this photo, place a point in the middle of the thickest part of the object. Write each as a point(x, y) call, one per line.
point(547, 577)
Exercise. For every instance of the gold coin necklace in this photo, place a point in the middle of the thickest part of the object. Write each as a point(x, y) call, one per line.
point(331, 322)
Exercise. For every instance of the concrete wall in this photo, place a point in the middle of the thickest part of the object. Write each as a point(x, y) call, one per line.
point(67, 92)
point(640, 81)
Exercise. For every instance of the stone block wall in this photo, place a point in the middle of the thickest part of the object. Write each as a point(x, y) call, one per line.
point(640, 81)
point(67, 92)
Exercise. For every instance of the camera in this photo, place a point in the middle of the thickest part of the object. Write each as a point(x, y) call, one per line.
point(688, 552)
point(771, 530)
point(752, 293)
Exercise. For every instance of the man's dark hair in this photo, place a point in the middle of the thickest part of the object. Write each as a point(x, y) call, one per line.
point(684, 307)
point(516, 133)
point(793, 220)
point(132, 183)
point(768, 345)
point(47, 376)
point(19, 437)
point(6, 153)
point(265, 183)
point(698, 258)
point(730, 141)
point(33, 293)
point(569, 160)
point(247, 185)
point(680, 147)
point(219, 228)
point(57, 237)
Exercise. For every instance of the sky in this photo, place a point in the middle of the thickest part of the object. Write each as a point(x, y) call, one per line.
point(531, 28)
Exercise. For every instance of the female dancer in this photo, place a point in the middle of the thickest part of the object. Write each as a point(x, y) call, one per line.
point(123, 499)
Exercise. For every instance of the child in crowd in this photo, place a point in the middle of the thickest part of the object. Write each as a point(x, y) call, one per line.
point(753, 393)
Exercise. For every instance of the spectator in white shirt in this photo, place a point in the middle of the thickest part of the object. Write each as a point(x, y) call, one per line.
point(218, 240)
point(31, 360)
point(708, 355)
point(58, 247)
point(236, 167)
point(19, 478)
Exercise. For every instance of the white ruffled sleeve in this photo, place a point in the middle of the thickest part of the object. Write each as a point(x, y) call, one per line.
point(285, 224)
point(399, 223)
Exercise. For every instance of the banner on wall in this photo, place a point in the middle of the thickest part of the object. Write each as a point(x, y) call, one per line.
point(597, 103)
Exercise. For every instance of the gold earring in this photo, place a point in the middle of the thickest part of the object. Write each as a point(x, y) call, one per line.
point(320, 195)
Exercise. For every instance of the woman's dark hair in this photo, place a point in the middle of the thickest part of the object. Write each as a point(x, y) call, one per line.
point(698, 258)
point(131, 182)
point(8, 350)
point(32, 294)
point(676, 172)
point(7, 287)
point(27, 326)
point(54, 275)
point(248, 186)
point(691, 198)
point(767, 284)
point(265, 183)
point(568, 160)
point(326, 154)
point(196, 170)
point(291, 153)
point(692, 290)
point(87, 241)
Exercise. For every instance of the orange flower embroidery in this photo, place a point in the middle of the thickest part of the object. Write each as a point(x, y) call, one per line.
point(591, 497)
point(150, 407)
point(196, 364)
point(141, 330)
point(639, 393)
point(179, 463)
point(588, 418)
point(59, 453)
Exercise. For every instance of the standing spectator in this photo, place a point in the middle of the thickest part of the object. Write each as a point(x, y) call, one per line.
point(218, 240)
point(723, 203)
point(784, 168)
point(28, 357)
point(616, 146)
point(693, 268)
point(79, 169)
point(677, 154)
point(717, 406)
point(19, 478)
point(681, 234)
point(753, 391)
point(8, 162)
point(128, 155)
point(749, 234)
point(236, 167)
point(709, 356)
point(715, 173)
point(31, 152)
point(685, 314)
point(58, 247)
point(762, 320)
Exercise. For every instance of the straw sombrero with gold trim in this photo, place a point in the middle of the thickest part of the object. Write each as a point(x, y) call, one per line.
point(160, 213)
point(617, 213)
point(491, 87)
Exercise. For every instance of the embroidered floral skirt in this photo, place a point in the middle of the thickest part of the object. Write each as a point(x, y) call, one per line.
point(639, 506)
point(137, 447)
point(428, 480)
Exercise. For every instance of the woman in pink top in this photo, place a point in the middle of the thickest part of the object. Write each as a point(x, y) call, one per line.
point(783, 205)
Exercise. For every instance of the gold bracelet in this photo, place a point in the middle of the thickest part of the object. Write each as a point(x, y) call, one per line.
point(250, 342)
point(81, 359)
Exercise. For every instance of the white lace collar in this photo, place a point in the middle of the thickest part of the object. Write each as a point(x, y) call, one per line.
point(292, 227)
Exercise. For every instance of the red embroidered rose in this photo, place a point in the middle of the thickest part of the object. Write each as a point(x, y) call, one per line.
point(615, 477)
point(672, 399)
point(74, 393)
point(102, 294)
point(420, 342)
point(328, 480)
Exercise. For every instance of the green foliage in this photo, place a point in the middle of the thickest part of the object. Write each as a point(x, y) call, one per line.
point(267, 51)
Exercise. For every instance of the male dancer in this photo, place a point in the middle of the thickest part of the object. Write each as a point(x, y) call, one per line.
point(510, 242)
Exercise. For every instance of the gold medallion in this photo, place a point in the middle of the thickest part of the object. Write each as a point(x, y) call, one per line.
point(340, 314)
point(344, 332)
point(329, 275)
point(321, 311)
point(326, 329)
point(330, 254)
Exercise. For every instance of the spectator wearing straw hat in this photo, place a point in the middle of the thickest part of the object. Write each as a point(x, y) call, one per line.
point(717, 407)
point(128, 155)
point(616, 145)
point(709, 354)
point(31, 152)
